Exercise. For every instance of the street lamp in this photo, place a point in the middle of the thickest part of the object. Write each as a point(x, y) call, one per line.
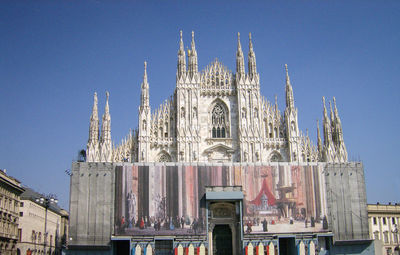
point(46, 202)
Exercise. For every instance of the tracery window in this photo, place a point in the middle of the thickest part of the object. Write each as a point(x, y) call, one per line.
point(164, 158)
point(218, 120)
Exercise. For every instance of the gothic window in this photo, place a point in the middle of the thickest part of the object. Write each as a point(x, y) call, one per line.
point(144, 125)
point(218, 121)
point(276, 157)
point(164, 158)
point(276, 132)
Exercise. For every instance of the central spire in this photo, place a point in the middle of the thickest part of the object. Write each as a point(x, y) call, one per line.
point(289, 90)
point(144, 99)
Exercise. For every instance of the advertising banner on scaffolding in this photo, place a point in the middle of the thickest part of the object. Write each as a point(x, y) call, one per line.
point(159, 199)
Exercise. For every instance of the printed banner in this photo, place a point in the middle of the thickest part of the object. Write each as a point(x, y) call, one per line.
point(169, 200)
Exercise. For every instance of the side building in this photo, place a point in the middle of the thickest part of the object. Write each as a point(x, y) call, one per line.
point(10, 191)
point(384, 220)
point(42, 230)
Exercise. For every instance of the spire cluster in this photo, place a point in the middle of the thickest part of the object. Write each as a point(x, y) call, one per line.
point(333, 149)
point(99, 149)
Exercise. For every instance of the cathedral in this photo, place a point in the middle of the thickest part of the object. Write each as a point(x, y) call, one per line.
point(215, 115)
point(216, 169)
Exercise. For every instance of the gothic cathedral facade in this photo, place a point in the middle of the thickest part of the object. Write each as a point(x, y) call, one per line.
point(215, 115)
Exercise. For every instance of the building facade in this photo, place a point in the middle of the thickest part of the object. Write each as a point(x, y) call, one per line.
point(10, 191)
point(216, 169)
point(215, 115)
point(33, 218)
point(384, 222)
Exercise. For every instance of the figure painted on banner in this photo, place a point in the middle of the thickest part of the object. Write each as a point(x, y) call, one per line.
point(312, 222)
point(249, 225)
point(265, 225)
point(131, 200)
point(291, 220)
point(194, 225)
point(122, 224)
point(171, 224)
point(141, 224)
point(182, 222)
point(131, 223)
point(324, 223)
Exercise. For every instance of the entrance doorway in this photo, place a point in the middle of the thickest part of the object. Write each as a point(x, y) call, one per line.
point(287, 246)
point(121, 247)
point(222, 240)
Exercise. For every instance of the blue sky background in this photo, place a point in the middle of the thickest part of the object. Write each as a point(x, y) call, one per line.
point(55, 54)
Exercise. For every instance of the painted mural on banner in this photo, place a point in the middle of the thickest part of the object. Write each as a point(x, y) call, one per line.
point(169, 200)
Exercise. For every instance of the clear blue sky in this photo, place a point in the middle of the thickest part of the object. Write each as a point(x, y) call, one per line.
point(55, 54)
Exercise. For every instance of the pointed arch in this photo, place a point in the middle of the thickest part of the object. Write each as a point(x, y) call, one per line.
point(164, 156)
point(219, 119)
point(275, 156)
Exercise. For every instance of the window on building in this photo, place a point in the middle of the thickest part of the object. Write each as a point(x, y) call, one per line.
point(384, 220)
point(393, 221)
point(218, 120)
point(374, 220)
point(376, 235)
point(22, 204)
point(19, 234)
point(395, 238)
point(386, 237)
point(21, 214)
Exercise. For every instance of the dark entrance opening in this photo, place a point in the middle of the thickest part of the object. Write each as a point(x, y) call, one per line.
point(121, 247)
point(287, 246)
point(164, 247)
point(222, 240)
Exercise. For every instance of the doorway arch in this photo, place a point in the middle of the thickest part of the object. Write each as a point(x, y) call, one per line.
point(222, 233)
